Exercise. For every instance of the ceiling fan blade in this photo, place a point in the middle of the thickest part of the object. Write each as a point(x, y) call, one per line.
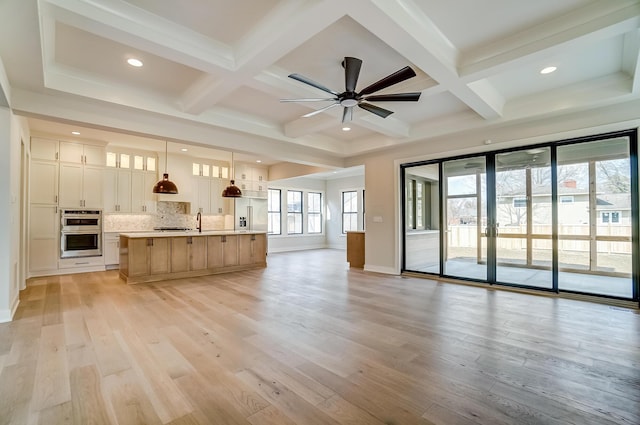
point(351, 72)
point(347, 114)
point(310, 114)
point(381, 112)
point(395, 78)
point(309, 99)
point(397, 97)
point(312, 83)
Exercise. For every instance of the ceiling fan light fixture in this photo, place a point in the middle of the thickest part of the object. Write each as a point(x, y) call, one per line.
point(350, 98)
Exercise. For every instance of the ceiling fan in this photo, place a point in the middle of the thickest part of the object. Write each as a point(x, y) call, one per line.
point(350, 97)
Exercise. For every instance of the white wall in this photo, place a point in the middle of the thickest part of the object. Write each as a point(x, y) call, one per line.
point(12, 131)
point(335, 238)
point(284, 242)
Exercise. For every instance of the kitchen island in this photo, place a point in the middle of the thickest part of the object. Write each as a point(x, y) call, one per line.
point(155, 256)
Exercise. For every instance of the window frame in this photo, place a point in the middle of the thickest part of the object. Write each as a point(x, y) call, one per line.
point(314, 213)
point(294, 214)
point(277, 213)
point(350, 214)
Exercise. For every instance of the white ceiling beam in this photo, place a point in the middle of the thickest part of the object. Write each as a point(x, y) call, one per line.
point(288, 26)
point(631, 58)
point(304, 126)
point(575, 30)
point(405, 27)
point(133, 26)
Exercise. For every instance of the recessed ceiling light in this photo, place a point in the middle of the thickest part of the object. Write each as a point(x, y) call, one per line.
point(134, 62)
point(258, 160)
point(75, 132)
point(184, 149)
point(346, 128)
point(548, 70)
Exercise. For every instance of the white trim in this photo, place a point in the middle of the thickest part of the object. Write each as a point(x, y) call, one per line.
point(381, 269)
point(298, 248)
point(70, 270)
point(7, 315)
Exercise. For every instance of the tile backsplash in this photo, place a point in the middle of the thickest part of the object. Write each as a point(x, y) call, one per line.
point(168, 214)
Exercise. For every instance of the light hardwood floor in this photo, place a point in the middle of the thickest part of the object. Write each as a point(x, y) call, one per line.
point(307, 341)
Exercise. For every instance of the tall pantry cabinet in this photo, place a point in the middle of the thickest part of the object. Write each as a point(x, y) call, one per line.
point(61, 175)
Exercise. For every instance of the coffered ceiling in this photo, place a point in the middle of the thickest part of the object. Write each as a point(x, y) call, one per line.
point(215, 70)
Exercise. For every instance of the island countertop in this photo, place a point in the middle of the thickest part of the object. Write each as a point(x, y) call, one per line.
point(177, 234)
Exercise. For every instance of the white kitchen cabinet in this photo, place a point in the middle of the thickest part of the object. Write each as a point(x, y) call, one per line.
point(111, 249)
point(143, 200)
point(117, 190)
point(201, 195)
point(252, 180)
point(79, 153)
point(80, 185)
point(220, 205)
point(43, 238)
point(45, 149)
point(43, 182)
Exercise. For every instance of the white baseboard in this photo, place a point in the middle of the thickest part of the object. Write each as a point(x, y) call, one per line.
point(6, 315)
point(297, 248)
point(380, 269)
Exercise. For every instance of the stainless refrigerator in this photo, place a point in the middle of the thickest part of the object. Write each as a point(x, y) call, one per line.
point(250, 214)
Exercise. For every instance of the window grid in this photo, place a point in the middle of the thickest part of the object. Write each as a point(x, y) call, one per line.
point(349, 211)
point(273, 211)
point(294, 212)
point(314, 212)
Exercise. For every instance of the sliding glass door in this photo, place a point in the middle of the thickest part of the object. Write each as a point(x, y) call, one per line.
point(465, 218)
point(524, 217)
point(556, 217)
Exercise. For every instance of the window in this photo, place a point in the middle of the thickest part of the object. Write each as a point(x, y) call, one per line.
point(519, 202)
point(294, 212)
point(273, 211)
point(314, 212)
point(611, 216)
point(349, 211)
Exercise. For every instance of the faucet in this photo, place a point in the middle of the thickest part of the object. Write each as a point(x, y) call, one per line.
point(199, 219)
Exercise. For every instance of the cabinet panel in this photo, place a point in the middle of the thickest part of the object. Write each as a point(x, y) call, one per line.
point(71, 152)
point(93, 155)
point(71, 185)
point(44, 221)
point(138, 257)
point(124, 191)
point(244, 249)
point(259, 249)
point(159, 256)
point(198, 253)
point(46, 149)
point(230, 250)
point(43, 254)
point(111, 250)
point(215, 252)
point(92, 186)
point(44, 182)
point(179, 255)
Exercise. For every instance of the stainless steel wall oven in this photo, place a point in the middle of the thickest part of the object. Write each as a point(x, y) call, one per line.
point(80, 233)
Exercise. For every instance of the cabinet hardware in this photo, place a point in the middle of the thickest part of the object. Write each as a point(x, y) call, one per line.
point(80, 263)
point(56, 155)
point(189, 240)
point(253, 237)
point(224, 239)
point(56, 209)
point(56, 199)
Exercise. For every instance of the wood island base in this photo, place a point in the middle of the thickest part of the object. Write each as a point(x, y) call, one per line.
point(153, 256)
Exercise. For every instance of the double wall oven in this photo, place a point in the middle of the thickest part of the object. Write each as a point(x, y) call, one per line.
point(80, 233)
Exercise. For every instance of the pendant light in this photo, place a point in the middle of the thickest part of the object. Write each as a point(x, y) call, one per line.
point(232, 191)
point(165, 185)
